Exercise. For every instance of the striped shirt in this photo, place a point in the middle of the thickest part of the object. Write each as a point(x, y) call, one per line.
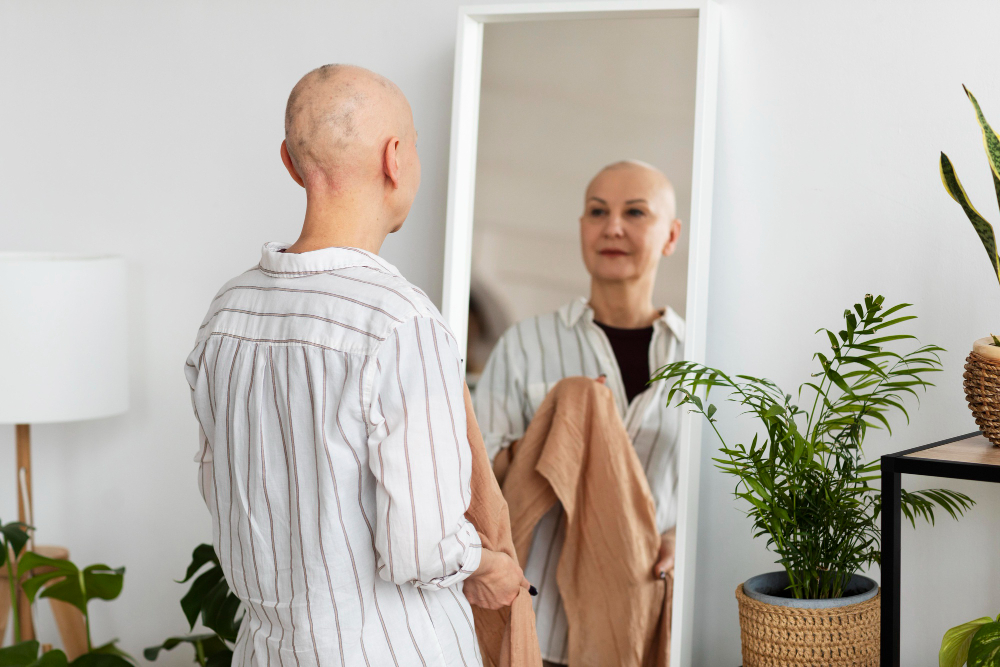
point(335, 464)
point(527, 361)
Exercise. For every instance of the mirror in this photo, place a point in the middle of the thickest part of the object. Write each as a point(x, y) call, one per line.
point(577, 245)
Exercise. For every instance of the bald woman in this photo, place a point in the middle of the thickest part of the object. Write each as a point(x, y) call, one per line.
point(333, 454)
point(616, 335)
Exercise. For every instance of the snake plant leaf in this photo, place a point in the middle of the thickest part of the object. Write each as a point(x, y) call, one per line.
point(990, 141)
point(984, 651)
point(979, 223)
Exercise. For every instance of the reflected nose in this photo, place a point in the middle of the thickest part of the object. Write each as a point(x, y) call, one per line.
point(614, 226)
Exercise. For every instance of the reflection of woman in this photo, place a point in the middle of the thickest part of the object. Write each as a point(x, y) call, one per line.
point(617, 336)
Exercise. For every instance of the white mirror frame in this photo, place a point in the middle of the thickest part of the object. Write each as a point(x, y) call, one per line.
point(461, 195)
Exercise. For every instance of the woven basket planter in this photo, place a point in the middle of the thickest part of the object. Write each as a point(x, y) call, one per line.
point(776, 636)
point(982, 387)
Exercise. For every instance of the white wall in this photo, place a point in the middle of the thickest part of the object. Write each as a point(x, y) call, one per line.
point(831, 118)
point(151, 130)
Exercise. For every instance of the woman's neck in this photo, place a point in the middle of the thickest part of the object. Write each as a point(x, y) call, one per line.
point(623, 305)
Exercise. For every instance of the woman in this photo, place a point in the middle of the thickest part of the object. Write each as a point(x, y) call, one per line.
point(617, 336)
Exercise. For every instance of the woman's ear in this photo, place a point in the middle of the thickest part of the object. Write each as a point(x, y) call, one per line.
point(675, 235)
point(390, 161)
point(290, 166)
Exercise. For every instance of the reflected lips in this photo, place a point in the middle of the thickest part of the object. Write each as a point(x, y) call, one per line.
point(613, 253)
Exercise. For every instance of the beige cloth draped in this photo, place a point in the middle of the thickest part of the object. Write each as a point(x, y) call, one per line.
point(506, 636)
point(576, 451)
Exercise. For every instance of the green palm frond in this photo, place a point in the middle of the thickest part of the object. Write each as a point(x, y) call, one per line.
point(803, 476)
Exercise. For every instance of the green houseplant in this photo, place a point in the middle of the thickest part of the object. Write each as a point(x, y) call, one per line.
point(13, 539)
point(804, 475)
point(983, 363)
point(976, 643)
point(59, 580)
point(210, 598)
point(63, 580)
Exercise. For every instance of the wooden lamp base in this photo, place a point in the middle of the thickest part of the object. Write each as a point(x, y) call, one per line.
point(72, 626)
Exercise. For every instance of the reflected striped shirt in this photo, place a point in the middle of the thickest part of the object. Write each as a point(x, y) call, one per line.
point(526, 363)
point(335, 464)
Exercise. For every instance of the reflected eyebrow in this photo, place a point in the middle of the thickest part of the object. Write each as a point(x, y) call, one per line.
point(637, 201)
point(598, 199)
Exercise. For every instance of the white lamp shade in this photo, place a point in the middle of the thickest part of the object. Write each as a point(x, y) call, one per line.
point(62, 337)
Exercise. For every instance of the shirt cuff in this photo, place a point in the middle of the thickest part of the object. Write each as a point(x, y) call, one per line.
point(468, 564)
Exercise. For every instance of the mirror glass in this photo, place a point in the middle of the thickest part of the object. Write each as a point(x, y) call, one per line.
point(561, 100)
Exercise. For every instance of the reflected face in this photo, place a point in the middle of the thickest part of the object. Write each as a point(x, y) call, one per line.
point(628, 223)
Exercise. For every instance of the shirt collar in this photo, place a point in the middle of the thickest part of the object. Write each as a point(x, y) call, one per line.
point(578, 309)
point(280, 264)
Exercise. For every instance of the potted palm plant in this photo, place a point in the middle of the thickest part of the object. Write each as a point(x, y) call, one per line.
point(808, 487)
point(982, 367)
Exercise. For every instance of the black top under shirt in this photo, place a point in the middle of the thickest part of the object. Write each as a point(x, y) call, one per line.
point(631, 348)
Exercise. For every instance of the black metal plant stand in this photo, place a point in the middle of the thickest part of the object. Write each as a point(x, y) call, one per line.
point(969, 456)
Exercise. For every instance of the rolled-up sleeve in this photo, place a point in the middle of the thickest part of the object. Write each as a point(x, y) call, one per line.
point(420, 457)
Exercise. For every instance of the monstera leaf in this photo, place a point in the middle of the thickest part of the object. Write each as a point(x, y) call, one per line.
point(25, 654)
point(15, 535)
point(209, 647)
point(210, 595)
point(72, 585)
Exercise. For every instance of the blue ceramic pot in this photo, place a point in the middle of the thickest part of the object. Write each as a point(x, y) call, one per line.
point(771, 588)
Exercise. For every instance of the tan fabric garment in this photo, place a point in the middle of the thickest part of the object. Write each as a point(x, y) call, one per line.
point(507, 636)
point(576, 451)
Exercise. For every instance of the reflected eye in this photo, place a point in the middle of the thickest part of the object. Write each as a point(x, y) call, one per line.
point(596, 212)
point(636, 212)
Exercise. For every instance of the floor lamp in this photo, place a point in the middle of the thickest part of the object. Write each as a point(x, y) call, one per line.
point(63, 336)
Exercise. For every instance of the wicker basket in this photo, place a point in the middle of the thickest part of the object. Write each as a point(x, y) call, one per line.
point(982, 390)
point(775, 636)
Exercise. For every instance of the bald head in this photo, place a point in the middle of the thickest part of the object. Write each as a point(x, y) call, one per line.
point(640, 179)
point(629, 223)
point(337, 122)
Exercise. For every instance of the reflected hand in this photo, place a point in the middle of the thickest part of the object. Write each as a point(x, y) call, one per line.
point(665, 558)
point(602, 378)
point(496, 582)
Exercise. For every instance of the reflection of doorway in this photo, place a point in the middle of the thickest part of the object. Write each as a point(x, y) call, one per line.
point(489, 317)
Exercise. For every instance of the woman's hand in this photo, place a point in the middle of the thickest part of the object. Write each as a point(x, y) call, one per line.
point(665, 559)
point(496, 582)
